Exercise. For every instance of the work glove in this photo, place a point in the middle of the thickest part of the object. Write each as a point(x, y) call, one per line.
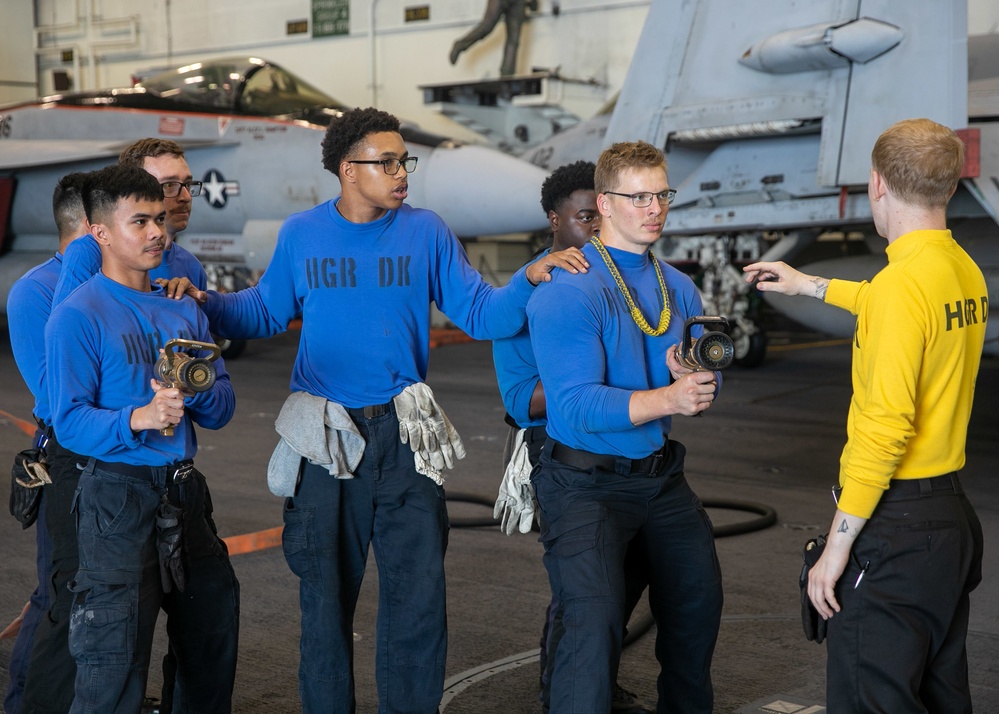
point(450, 447)
point(515, 502)
point(427, 469)
point(430, 434)
point(169, 542)
point(414, 406)
point(28, 474)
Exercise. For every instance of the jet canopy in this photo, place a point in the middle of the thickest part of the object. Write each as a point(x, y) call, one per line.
point(244, 85)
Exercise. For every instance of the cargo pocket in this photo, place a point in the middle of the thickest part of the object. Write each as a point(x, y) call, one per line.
point(111, 531)
point(574, 545)
point(298, 541)
point(101, 628)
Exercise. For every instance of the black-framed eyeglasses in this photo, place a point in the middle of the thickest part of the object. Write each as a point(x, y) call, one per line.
point(391, 166)
point(171, 189)
point(641, 200)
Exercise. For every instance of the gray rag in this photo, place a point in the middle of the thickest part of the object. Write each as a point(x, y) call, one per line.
point(319, 430)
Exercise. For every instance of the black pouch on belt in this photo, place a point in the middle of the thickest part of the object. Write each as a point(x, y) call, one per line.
point(811, 620)
point(27, 476)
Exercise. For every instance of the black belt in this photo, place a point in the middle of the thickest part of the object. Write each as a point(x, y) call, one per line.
point(534, 434)
point(907, 489)
point(370, 412)
point(587, 461)
point(175, 473)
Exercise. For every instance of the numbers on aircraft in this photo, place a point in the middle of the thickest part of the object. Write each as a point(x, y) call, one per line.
point(5, 126)
point(542, 156)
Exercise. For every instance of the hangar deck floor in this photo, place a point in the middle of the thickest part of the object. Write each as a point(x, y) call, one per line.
point(773, 437)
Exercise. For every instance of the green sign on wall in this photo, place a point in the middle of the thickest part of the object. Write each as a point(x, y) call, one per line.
point(330, 17)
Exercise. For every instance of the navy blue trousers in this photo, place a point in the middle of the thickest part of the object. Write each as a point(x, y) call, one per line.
point(119, 595)
point(38, 606)
point(52, 670)
point(329, 525)
point(589, 520)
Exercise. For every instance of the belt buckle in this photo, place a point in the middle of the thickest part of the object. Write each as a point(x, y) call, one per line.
point(657, 463)
point(181, 474)
point(375, 410)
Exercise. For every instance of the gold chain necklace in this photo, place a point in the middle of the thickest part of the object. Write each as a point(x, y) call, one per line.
point(636, 314)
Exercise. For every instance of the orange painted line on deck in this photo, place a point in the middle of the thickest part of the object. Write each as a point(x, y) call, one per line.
point(28, 427)
point(447, 336)
point(252, 542)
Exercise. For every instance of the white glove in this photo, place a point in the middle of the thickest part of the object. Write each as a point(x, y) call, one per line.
point(425, 427)
point(425, 468)
point(415, 406)
point(515, 501)
point(451, 446)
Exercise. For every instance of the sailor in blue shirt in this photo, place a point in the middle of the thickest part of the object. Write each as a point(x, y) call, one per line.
point(608, 475)
point(39, 672)
point(362, 270)
point(165, 160)
point(570, 202)
point(102, 343)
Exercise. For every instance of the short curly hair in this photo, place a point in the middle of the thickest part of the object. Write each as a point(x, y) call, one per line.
point(348, 130)
point(564, 181)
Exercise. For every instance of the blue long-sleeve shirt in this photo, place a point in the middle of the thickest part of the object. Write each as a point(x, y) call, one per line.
point(364, 292)
point(29, 304)
point(517, 374)
point(102, 345)
point(592, 356)
point(83, 261)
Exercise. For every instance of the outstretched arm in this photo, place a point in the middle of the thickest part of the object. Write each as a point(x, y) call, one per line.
point(782, 278)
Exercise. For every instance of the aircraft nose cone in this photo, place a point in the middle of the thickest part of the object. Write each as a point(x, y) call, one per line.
point(479, 191)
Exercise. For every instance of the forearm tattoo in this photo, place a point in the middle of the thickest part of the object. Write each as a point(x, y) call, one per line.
point(844, 527)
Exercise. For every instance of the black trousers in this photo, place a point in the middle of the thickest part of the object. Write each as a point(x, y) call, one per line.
point(898, 643)
point(52, 670)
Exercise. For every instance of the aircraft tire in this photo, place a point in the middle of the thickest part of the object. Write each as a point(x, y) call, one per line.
point(756, 352)
point(231, 349)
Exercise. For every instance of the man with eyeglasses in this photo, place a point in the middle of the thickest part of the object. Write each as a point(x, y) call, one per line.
point(609, 474)
point(570, 202)
point(362, 270)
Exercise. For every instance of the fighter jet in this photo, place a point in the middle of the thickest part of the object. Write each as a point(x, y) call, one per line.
point(768, 112)
point(252, 133)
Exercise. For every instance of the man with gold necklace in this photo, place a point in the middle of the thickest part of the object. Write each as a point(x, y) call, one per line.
point(608, 473)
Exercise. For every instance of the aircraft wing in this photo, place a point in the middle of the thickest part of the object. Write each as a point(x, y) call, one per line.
point(31, 153)
point(35, 153)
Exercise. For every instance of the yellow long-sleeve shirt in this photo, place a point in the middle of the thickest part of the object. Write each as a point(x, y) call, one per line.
point(916, 352)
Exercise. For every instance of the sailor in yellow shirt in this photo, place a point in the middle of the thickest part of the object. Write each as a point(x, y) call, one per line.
point(905, 546)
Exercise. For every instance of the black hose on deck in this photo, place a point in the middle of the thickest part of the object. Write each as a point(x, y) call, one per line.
point(766, 517)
